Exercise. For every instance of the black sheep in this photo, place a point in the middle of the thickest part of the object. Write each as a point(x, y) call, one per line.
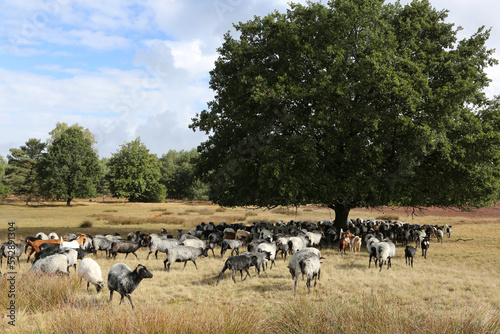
point(239, 263)
point(410, 252)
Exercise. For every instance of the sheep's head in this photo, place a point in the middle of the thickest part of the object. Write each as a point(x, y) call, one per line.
point(143, 272)
point(99, 286)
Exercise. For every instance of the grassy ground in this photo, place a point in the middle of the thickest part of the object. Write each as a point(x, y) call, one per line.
point(456, 290)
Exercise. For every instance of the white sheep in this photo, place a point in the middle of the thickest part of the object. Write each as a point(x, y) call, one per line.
point(313, 238)
point(195, 243)
point(269, 247)
point(307, 262)
point(41, 236)
point(53, 264)
point(386, 250)
point(52, 235)
point(296, 244)
point(89, 270)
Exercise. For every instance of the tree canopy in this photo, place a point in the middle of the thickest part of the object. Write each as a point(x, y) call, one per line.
point(21, 170)
point(70, 168)
point(134, 173)
point(355, 103)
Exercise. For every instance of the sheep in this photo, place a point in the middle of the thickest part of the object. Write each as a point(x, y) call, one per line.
point(298, 256)
point(125, 281)
point(262, 258)
point(72, 256)
point(53, 264)
point(439, 235)
point(296, 244)
point(282, 245)
point(234, 245)
point(46, 250)
point(313, 239)
point(41, 236)
point(270, 248)
point(194, 243)
point(183, 254)
point(410, 254)
point(419, 236)
point(425, 244)
point(447, 230)
point(101, 243)
point(75, 243)
point(125, 246)
point(89, 270)
point(52, 235)
point(386, 250)
point(308, 263)
point(69, 237)
point(12, 250)
point(238, 263)
point(371, 246)
point(161, 245)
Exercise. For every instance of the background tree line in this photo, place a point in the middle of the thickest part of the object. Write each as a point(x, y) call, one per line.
point(67, 166)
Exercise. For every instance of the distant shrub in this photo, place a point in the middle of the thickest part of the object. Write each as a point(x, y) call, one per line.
point(86, 224)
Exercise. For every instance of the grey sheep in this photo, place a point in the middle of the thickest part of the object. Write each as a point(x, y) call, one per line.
point(271, 248)
point(183, 254)
point(125, 246)
point(12, 250)
point(234, 245)
point(89, 270)
point(238, 263)
point(53, 264)
point(386, 250)
point(262, 258)
point(308, 263)
point(161, 245)
point(101, 243)
point(125, 281)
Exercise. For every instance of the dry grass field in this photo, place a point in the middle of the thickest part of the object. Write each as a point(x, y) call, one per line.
point(455, 290)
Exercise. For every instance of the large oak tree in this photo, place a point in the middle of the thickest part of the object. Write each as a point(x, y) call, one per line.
point(355, 103)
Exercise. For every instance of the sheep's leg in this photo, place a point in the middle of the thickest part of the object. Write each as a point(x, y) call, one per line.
point(130, 300)
point(295, 287)
point(221, 273)
point(110, 295)
point(156, 255)
point(248, 274)
point(135, 255)
point(88, 284)
point(308, 284)
point(234, 276)
point(147, 257)
point(194, 264)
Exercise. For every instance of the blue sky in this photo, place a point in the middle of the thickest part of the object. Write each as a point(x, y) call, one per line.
point(124, 68)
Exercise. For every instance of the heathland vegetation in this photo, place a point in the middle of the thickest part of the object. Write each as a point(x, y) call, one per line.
point(455, 290)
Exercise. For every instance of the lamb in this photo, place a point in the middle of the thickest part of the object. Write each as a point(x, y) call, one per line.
point(234, 245)
point(125, 281)
point(410, 252)
point(89, 270)
point(447, 230)
point(439, 235)
point(161, 245)
point(308, 263)
point(425, 244)
point(53, 264)
point(239, 263)
point(183, 254)
point(386, 250)
point(270, 248)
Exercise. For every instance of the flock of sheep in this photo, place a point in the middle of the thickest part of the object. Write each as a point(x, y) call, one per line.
point(263, 240)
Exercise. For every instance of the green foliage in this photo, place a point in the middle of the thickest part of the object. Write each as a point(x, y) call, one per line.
point(21, 170)
point(350, 104)
point(134, 173)
point(70, 168)
point(178, 175)
point(4, 189)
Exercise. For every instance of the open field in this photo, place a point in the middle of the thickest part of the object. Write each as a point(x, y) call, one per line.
point(456, 290)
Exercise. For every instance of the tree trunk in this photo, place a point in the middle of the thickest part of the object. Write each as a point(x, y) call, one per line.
point(68, 201)
point(341, 215)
